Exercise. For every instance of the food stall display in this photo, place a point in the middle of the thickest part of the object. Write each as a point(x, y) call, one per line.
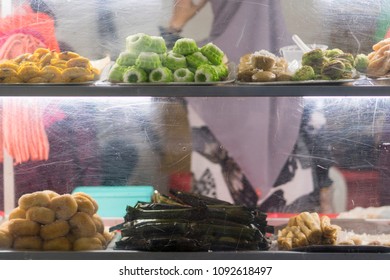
point(147, 59)
point(48, 221)
point(175, 221)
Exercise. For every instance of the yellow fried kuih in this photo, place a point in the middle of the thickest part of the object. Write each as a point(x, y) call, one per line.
point(7, 72)
point(39, 52)
point(67, 55)
point(9, 64)
point(27, 72)
point(78, 62)
point(12, 80)
point(307, 229)
point(47, 66)
point(46, 59)
point(69, 74)
point(52, 74)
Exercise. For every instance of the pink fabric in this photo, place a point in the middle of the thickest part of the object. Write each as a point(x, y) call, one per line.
point(32, 30)
point(19, 43)
point(387, 34)
point(53, 113)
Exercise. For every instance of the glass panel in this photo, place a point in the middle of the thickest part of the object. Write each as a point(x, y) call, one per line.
point(152, 141)
point(249, 151)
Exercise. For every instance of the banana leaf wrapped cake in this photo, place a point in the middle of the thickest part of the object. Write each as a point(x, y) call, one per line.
point(189, 222)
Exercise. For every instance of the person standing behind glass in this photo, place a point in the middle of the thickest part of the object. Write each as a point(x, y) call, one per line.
point(255, 159)
point(238, 26)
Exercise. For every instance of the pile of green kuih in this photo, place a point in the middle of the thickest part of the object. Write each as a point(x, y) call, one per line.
point(333, 64)
point(147, 59)
point(188, 222)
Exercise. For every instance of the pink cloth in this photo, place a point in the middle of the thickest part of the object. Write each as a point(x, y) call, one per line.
point(15, 44)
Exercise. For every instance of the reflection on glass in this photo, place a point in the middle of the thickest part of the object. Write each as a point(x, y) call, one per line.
point(157, 141)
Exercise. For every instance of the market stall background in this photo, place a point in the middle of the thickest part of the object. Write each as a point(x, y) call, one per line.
point(105, 132)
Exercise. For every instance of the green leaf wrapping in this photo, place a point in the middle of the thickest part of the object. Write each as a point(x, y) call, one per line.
point(199, 224)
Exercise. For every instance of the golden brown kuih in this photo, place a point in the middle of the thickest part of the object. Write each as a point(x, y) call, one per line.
point(82, 225)
point(263, 76)
point(46, 220)
point(6, 239)
point(263, 61)
point(87, 243)
point(57, 244)
point(262, 66)
point(85, 204)
point(34, 199)
point(379, 59)
point(28, 243)
point(307, 229)
point(65, 206)
point(17, 213)
point(42, 215)
point(23, 227)
point(46, 66)
point(54, 230)
point(93, 201)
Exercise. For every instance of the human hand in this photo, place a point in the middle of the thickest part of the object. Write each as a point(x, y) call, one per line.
point(183, 11)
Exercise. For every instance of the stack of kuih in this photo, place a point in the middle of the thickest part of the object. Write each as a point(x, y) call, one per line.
point(188, 222)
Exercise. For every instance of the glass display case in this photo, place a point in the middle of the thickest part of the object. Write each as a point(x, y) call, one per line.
point(277, 148)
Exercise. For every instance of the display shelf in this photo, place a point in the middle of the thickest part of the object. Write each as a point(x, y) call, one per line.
point(113, 254)
point(223, 90)
point(225, 255)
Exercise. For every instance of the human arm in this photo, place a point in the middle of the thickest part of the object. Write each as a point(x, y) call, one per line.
point(183, 11)
point(326, 200)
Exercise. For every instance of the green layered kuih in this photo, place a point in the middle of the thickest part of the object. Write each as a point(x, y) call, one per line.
point(161, 75)
point(185, 46)
point(127, 58)
point(116, 73)
point(175, 61)
point(148, 61)
point(138, 42)
point(135, 75)
point(206, 74)
point(213, 53)
point(183, 75)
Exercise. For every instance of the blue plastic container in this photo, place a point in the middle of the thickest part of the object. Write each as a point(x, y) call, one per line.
point(113, 200)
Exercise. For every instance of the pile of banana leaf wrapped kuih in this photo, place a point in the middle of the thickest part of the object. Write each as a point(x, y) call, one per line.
point(189, 222)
